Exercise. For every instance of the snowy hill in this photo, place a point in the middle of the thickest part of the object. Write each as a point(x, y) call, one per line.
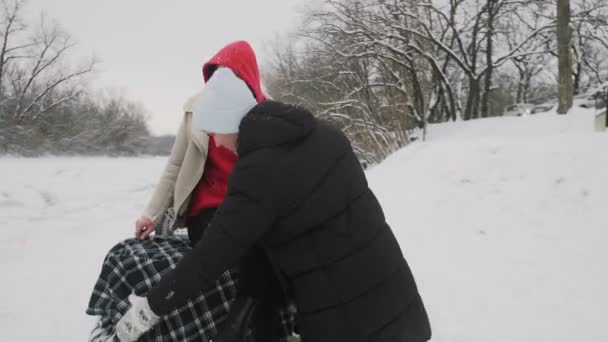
point(503, 221)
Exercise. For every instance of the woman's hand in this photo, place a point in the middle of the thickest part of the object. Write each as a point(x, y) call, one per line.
point(136, 321)
point(143, 228)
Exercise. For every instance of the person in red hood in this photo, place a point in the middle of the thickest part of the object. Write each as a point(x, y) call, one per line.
point(191, 188)
point(197, 171)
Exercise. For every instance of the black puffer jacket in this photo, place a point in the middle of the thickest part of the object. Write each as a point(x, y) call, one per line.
point(299, 192)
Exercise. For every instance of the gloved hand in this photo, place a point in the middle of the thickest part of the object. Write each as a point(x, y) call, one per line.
point(136, 321)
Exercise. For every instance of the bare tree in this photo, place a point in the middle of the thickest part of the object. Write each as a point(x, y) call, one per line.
point(380, 68)
point(589, 22)
point(43, 70)
point(348, 79)
point(12, 47)
point(467, 29)
point(529, 66)
point(44, 103)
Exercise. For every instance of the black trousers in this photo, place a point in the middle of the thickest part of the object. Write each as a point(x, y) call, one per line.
point(257, 279)
point(197, 224)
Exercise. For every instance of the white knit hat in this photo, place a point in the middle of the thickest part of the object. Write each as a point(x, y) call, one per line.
point(222, 104)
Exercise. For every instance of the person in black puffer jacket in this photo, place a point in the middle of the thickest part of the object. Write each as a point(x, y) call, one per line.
point(299, 194)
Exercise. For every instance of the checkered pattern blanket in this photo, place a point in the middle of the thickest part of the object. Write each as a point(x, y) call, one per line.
point(134, 266)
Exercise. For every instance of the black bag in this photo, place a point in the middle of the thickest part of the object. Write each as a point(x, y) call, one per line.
point(239, 326)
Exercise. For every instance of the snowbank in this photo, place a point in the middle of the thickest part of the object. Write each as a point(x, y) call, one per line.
point(505, 224)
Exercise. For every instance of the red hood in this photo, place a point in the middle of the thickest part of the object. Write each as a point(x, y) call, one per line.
point(240, 58)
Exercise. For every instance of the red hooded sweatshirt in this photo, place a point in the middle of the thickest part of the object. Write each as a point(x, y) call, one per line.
point(211, 189)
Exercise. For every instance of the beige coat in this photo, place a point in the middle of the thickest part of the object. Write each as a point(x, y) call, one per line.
point(170, 200)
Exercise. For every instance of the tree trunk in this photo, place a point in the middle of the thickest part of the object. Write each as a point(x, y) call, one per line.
point(472, 107)
point(526, 91)
point(577, 78)
point(565, 87)
point(450, 106)
point(418, 91)
point(485, 101)
point(476, 100)
point(520, 85)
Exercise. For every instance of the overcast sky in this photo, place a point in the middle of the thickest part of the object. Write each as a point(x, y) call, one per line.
point(154, 49)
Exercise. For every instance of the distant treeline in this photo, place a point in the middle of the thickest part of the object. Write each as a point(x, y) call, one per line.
point(46, 103)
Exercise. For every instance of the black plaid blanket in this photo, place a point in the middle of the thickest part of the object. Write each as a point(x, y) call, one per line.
point(134, 266)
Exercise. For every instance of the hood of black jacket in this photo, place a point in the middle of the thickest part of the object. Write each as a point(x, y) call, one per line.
point(273, 123)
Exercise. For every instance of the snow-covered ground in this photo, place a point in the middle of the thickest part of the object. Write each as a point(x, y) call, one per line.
point(504, 222)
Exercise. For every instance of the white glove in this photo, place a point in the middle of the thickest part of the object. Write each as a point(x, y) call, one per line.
point(136, 321)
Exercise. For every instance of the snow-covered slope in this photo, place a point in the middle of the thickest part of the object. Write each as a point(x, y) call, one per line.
point(504, 222)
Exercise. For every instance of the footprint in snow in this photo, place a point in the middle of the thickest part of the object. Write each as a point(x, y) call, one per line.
point(48, 198)
point(7, 201)
point(495, 150)
point(10, 203)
